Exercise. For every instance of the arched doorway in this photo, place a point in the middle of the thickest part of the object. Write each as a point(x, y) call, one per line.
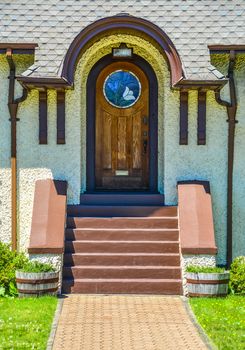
point(122, 111)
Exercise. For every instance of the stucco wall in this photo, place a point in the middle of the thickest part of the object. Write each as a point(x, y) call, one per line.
point(221, 63)
point(23, 62)
point(68, 162)
point(35, 161)
point(188, 162)
point(239, 165)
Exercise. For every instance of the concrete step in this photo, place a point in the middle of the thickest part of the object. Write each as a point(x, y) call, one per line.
point(122, 234)
point(76, 272)
point(121, 247)
point(126, 222)
point(122, 199)
point(121, 286)
point(117, 259)
point(120, 211)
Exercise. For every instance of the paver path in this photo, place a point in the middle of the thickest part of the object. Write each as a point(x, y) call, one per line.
point(124, 322)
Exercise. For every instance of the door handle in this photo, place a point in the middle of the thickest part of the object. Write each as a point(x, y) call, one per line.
point(145, 143)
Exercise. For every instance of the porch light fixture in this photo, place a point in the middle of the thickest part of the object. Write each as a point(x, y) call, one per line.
point(122, 51)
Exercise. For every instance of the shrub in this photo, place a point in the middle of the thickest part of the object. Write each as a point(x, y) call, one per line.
point(10, 261)
point(204, 269)
point(36, 266)
point(237, 275)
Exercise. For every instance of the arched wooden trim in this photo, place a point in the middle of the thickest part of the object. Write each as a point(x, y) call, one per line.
point(117, 23)
point(153, 120)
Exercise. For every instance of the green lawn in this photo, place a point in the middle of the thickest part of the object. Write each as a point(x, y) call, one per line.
point(223, 319)
point(25, 323)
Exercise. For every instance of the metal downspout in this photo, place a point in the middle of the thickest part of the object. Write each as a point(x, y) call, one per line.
point(231, 112)
point(13, 107)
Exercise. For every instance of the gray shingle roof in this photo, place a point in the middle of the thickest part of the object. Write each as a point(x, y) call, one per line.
point(190, 24)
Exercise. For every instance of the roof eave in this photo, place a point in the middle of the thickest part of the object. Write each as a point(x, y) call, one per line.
point(18, 48)
point(218, 48)
point(191, 84)
point(43, 83)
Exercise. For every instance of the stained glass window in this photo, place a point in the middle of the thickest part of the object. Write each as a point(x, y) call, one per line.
point(122, 89)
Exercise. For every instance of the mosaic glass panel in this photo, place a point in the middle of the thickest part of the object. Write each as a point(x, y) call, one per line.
point(122, 89)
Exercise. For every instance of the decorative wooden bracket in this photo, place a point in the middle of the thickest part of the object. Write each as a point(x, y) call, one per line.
point(201, 119)
point(61, 117)
point(183, 137)
point(43, 118)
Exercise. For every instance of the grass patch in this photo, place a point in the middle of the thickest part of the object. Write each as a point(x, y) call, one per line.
point(25, 323)
point(204, 269)
point(223, 319)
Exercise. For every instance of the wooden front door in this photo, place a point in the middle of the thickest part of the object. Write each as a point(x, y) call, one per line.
point(122, 128)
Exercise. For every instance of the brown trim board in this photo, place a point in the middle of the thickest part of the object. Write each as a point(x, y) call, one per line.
point(61, 117)
point(191, 84)
point(201, 118)
point(183, 122)
point(43, 83)
point(219, 48)
point(18, 48)
point(13, 46)
point(43, 118)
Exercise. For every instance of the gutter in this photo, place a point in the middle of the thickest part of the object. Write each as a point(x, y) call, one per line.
point(231, 112)
point(13, 108)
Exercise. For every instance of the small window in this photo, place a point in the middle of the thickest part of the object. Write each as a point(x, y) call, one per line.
point(122, 89)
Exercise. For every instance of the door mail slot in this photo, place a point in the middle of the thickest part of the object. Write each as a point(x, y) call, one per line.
point(121, 172)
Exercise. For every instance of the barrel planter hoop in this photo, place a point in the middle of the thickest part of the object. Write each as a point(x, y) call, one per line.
point(30, 284)
point(201, 284)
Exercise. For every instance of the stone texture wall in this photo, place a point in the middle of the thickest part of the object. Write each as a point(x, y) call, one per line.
point(54, 259)
point(196, 260)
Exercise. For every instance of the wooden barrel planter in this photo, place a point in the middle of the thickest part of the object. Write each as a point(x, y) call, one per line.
point(201, 284)
point(30, 284)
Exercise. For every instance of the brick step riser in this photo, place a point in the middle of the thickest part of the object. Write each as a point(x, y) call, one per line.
point(121, 273)
point(134, 287)
point(120, 211)
point(130, 235)
point(103, 223)
point(119, 247)
point(71, 260)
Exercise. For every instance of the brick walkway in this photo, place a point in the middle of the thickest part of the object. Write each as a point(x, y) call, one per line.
point(123, 322)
